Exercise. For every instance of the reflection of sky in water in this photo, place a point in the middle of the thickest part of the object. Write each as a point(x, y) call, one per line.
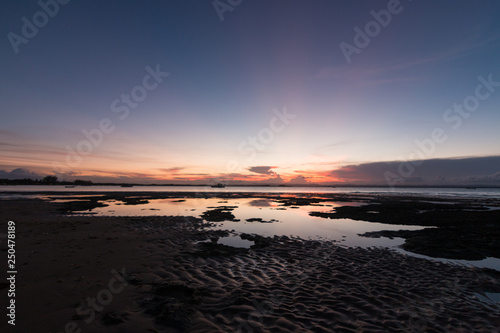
point(235, 241)
point(489, 262)
point(291, 221)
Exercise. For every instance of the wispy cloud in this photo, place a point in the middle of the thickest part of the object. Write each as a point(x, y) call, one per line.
point(466, 48)
point(330, 148)
point(363, 77)
point(387, 73)
point(172, 170)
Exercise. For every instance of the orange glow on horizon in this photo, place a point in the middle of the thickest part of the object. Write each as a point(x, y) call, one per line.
point(186, 177)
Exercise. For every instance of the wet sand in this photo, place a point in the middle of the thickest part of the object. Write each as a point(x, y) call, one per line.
point(151, 274)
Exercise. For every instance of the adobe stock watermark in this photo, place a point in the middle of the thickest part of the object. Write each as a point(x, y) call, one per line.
point(253, 144)
point(295, 278)
point(87, 311)
point(223, 6)
point(454, 117)
point(120, 106)
point(258, 143)
point(30, 28)
point(373, 28)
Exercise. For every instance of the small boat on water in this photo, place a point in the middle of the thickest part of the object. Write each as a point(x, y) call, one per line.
point(219, 185)
point(70, 186)
point(127, 185)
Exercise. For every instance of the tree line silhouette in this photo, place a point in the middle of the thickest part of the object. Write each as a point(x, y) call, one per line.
point(47, 180)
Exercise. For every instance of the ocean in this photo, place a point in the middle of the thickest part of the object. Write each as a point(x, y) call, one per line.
point(276, 219)
point(492, 192)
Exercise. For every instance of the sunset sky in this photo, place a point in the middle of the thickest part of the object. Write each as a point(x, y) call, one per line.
point(283, 91)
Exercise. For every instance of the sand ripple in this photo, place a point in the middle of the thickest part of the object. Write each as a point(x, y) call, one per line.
point(308, 286)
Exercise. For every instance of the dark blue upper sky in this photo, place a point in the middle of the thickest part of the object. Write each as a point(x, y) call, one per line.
point(226, 77)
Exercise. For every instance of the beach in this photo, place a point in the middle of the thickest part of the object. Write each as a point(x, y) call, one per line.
point(88, 273)
point(250, 166)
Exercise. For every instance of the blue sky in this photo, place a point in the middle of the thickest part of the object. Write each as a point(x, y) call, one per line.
point(227, 79)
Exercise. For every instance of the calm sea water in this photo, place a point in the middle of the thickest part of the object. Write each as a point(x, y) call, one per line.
point(289, 221)
point(281, 220)
point(416, 191)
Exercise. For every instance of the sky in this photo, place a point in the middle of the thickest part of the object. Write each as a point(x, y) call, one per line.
point(251, 92)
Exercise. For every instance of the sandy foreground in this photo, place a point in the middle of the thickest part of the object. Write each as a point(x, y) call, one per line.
point(150, 274)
